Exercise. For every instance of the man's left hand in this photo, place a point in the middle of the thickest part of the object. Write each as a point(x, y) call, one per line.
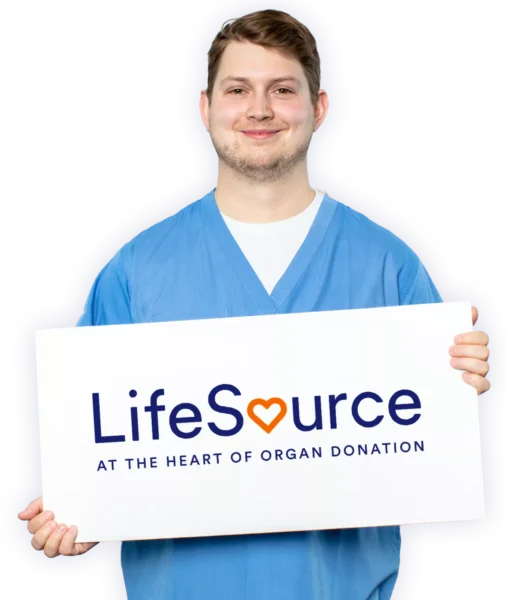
point(470, 355)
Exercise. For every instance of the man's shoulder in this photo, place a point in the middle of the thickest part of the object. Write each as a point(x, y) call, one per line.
point(165, 234)
point(364, 233)
point(374, 244)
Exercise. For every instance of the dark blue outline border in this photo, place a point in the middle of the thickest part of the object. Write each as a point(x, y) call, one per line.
point(105, 558)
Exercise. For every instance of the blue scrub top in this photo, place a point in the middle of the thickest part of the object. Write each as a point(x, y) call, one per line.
point(189, 266)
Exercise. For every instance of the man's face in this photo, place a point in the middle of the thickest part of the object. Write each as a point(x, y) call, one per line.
point(260, 103)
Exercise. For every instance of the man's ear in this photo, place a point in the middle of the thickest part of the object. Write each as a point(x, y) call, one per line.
point(204, 108)
point(321, 109)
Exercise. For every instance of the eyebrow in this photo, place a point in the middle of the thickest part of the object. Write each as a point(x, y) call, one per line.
point(246, 80)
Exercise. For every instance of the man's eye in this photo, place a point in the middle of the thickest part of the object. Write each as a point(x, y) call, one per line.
point(240, 90)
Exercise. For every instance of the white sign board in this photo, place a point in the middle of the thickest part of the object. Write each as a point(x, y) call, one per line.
point(321, 420)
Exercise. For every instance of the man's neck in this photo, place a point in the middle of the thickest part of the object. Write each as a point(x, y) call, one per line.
point(263, 203)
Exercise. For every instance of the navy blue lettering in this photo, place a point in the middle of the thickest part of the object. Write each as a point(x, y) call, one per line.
point(134, 418)
point(393, 407)
point(333, 400)
point(227, 410)
point(236, 457)
point(174, 420)
point(317, 424)
point(135, 423)
point(357, 417)
point(154, 409)
point(265, 455)
point(99, 438)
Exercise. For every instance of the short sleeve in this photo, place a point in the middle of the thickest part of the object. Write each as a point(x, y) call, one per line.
point(108, 302)
point(416, 285)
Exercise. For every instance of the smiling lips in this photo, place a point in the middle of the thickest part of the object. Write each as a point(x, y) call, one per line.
point(260, 134)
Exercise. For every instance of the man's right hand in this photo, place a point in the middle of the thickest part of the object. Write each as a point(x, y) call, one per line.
point(54, 539)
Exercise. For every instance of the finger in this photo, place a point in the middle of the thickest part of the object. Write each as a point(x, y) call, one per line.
point(477, 367)
point(37, 522)
point(472, 337)
point(42, 535)
point(68, 541)
point(470, 350)
point(34, 508)
point(53, 543)
point(474, 313)
point(479, 383)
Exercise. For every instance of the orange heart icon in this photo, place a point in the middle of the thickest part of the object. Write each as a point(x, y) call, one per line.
point(266, 404)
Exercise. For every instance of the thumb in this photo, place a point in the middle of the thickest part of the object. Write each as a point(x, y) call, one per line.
point(33, 509)
point(474, 313)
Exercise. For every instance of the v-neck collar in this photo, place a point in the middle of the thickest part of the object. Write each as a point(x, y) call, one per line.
point(267, 304)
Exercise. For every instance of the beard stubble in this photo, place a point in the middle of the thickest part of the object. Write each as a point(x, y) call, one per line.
point(261, 170)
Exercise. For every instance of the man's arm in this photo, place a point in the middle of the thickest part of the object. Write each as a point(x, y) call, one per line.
point(470, 352)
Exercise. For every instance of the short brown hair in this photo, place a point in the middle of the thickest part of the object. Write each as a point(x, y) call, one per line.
point(270, 29)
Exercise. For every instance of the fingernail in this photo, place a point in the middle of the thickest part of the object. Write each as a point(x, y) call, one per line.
point(458, 339)
point(62, 528)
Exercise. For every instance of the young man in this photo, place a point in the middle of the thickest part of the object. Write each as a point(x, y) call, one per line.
point(261, 242)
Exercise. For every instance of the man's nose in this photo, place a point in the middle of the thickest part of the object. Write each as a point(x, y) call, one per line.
point(259, 107)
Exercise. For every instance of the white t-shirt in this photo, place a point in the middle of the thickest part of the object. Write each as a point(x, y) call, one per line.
point(270, 247)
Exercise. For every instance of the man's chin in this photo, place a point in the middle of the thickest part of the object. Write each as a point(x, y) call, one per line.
point(248, 162)
point(254, 164)
point(256, 171)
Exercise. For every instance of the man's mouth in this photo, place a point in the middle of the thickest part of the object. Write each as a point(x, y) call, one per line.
point(260, 134)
